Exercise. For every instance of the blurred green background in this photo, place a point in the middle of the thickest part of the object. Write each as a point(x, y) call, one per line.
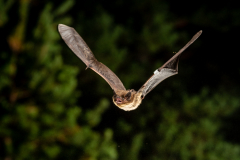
point(52, 108)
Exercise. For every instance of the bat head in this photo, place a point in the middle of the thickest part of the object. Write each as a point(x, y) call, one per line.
point(127, 100)
point(121, 97)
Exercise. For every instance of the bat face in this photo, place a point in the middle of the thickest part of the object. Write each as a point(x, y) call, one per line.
point(127, 100)
point(122, 98)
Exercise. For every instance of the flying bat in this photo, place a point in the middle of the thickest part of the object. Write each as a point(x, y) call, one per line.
point(122, 98)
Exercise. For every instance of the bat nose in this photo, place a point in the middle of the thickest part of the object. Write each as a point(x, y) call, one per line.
point(118, 99)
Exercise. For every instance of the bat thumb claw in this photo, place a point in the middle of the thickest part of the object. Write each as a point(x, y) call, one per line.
point(88, 66)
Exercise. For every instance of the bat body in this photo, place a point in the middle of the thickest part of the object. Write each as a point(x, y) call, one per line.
point(122, 98)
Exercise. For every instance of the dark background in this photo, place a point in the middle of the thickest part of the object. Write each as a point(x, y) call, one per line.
point(52, 108)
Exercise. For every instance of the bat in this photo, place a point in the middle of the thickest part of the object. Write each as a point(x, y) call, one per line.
point(124, 99)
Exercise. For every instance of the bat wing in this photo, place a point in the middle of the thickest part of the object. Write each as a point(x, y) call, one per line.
point(170, 68)
point(80, 48)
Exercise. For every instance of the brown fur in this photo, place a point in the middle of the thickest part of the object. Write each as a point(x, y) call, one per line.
point(130, 104)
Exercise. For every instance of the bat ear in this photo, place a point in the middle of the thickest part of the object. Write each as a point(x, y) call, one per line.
point(128, 95)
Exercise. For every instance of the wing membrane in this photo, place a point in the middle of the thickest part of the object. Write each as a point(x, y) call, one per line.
point(170, 68)
point(80, 48)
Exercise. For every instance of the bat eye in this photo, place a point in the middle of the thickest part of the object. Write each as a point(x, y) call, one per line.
point(128, 95)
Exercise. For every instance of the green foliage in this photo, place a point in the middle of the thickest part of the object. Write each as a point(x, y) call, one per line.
point(51, 108)
point(4, 7)
point(39, 115)
point(190, 131)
